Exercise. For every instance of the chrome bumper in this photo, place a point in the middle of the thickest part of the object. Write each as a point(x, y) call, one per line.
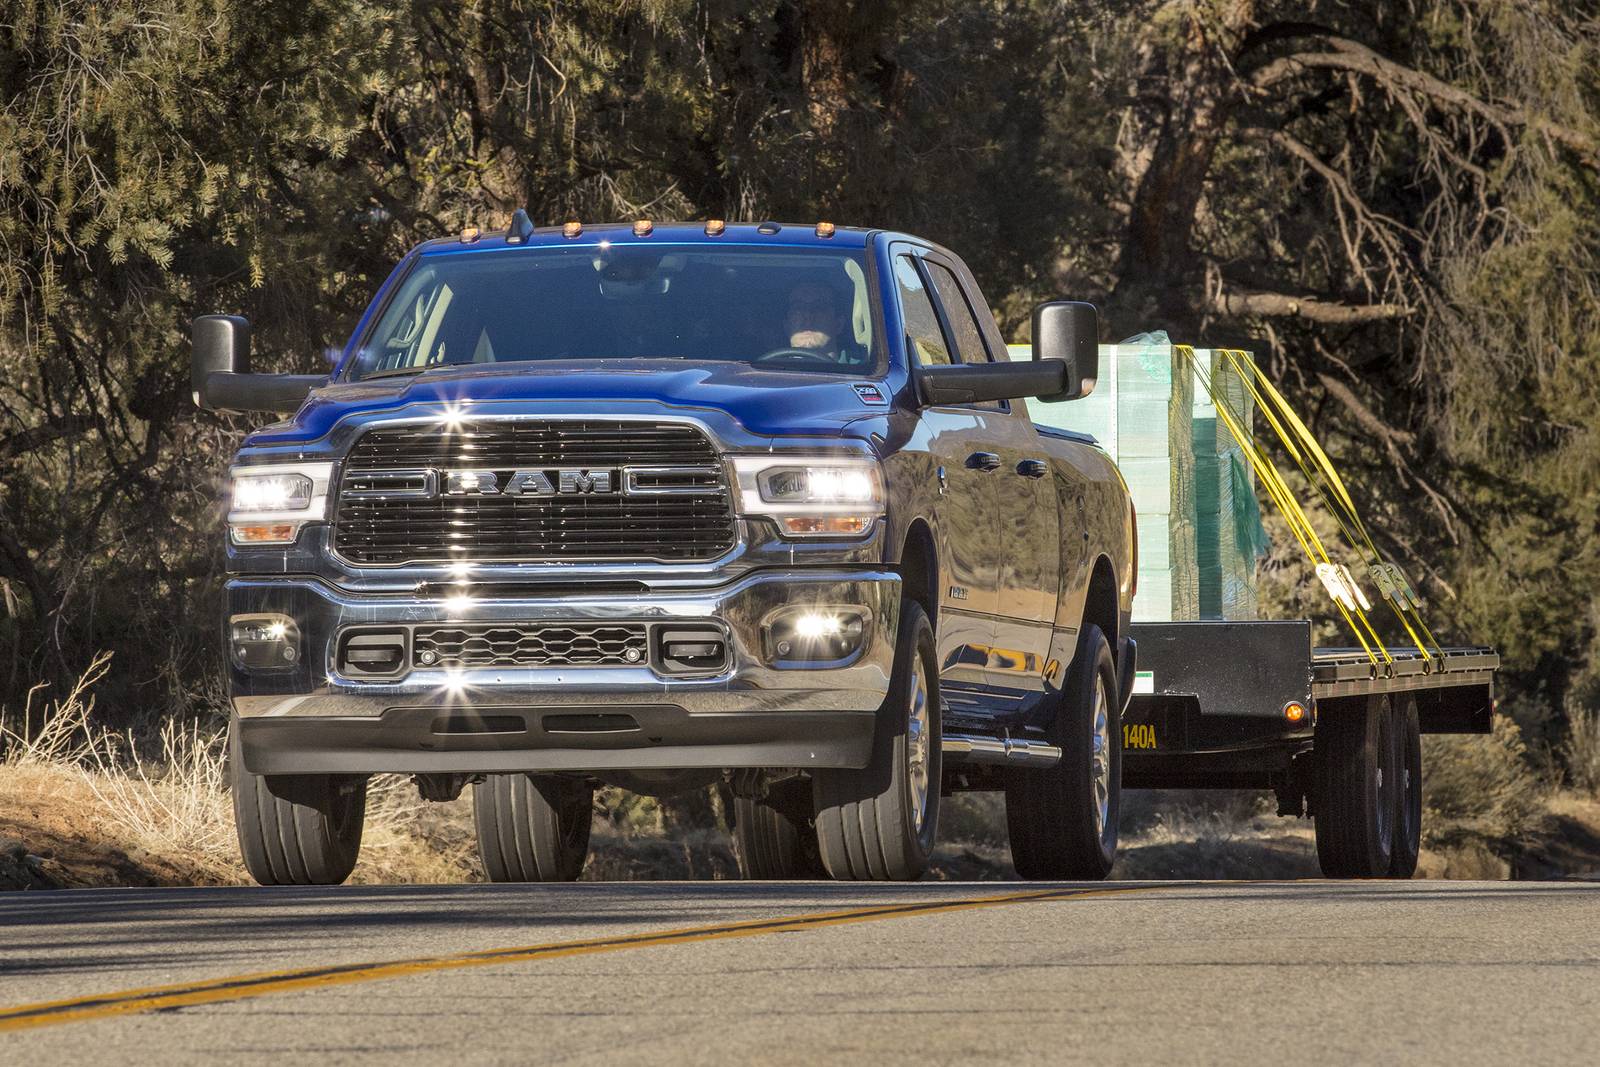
point(310, 719)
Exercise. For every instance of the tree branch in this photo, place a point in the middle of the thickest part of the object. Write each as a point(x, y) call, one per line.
point(1365, 417)
point(35, 437)
point(1319, 309)
point(1352, 56)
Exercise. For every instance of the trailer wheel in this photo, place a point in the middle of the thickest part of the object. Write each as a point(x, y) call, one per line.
point(772, 844)
point(1408, 791)
point(296, 829)
point(1357, 776)
point(1063, 820)
point(532, 828)
point(878, 823)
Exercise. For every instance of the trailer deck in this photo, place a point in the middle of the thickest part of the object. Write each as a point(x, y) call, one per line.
point(1231, 704)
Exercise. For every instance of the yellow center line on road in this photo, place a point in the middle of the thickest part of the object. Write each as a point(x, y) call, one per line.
point(240, 987)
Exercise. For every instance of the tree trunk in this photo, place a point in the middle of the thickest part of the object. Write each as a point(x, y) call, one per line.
point(1183, 92)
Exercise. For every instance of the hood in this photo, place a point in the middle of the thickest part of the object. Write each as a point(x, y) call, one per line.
point(766, 402)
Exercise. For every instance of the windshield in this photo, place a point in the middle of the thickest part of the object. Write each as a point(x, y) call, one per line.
point(789, 308)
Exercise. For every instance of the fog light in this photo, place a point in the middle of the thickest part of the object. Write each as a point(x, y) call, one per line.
point(815, 636)
point(264, 642)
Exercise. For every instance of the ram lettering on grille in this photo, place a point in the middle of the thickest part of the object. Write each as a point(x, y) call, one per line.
point(533, 490)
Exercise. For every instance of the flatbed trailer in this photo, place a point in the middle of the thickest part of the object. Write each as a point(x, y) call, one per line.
point(1254, 705)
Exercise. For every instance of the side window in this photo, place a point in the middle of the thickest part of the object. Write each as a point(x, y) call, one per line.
point(923, 335)
point(963, 324)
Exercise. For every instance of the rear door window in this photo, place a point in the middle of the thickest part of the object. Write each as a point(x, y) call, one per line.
point(963, 323)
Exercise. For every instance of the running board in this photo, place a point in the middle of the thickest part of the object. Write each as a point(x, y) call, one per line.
point(1012, 752)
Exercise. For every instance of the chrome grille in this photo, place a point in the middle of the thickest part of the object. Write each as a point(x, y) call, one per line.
point(529, 646)
point(666, 499)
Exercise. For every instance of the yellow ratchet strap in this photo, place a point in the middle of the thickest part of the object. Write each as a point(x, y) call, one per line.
point(1323, 477)
point(1340, 584)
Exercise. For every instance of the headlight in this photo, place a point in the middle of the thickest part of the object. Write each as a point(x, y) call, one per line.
point(812, 496)
point(271, 492)
point(270, 504)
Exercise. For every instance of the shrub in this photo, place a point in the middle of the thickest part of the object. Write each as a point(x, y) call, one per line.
point(1480, 786)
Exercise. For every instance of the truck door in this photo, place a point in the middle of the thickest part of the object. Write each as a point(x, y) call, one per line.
point(968, 551)
point(1023, 527)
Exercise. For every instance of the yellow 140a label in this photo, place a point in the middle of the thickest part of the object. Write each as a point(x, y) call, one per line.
point(1138, 735)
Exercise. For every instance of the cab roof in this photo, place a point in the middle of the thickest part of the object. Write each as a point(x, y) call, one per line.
point(775, 234)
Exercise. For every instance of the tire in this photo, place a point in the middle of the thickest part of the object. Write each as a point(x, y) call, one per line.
point(532, 828)
point(770, 844)
point(1356, 771)
point(1063, 819)
point(1408, 795)
point(296, 829)
point(878, 823)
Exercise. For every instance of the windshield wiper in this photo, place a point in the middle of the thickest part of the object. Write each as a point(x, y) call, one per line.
point(398, 372)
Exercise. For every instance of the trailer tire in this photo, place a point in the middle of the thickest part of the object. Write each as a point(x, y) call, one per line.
point(1063, 820)
point(299, 829)
point(1356, 774)
point(878, 823)
point(532, 828)
point(770, 844)
point(1408, 794)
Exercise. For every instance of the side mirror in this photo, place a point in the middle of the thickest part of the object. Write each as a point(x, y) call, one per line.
point(974, 383)
point(1068, 331)
point(221, 345)
point(220, 371)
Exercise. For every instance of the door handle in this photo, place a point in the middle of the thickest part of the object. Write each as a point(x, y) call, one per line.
point(983, 461)
point(1033, 468)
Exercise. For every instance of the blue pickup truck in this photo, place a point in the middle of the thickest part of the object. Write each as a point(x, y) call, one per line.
point(665, 506)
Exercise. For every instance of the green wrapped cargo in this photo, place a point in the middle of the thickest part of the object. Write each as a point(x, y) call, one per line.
point(1191, 485)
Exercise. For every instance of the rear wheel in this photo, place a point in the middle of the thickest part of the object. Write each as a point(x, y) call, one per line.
point(1357, 779)
point(878, 822)
point(1408, 790)
point(1063, 820)
point(296, 829)
point(772, 842)
point(532, 828)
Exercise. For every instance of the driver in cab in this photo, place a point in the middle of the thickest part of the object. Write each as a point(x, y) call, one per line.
point(817, 324)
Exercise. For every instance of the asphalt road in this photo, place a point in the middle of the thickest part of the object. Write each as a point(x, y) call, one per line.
point(728, 972)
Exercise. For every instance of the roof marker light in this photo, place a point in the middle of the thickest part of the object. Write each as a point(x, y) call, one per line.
point(642, 228)
point(715, 227)
point(469, 235)
point(571, 229)
point(768, 228)
point(824, 229)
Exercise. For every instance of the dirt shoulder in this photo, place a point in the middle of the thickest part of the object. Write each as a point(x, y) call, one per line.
point(62, 827)
point(54, 834)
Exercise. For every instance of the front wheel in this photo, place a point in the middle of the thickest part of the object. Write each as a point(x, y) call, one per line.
point(532, 828)
point(296, 829)
point(1062, 820)
point(878, 823)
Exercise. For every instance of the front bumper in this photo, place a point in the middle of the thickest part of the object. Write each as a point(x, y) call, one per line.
point(308, 719)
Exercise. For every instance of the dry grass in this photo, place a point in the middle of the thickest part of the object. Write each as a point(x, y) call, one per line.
point(1581, 751)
